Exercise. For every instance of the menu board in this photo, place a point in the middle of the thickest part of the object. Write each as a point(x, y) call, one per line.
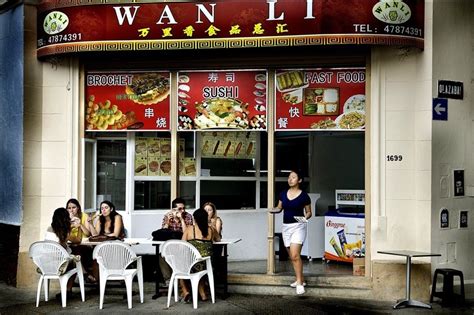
point(222, 99)
point(153, 157)
point(229, 145)
point(127, 101)
point(320, 99)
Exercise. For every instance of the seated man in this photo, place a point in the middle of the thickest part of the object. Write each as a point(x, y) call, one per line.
point(176, 220)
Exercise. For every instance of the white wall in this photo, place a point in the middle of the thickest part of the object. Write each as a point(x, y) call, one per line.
point(400, 124)
point(453, 145)
point(250, 226)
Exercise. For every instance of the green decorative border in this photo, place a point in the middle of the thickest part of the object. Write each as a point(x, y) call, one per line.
point(280, 41)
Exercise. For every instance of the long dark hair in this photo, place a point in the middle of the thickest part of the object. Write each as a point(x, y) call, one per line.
point(112, 215)
point(77, 204)
point(61, 224)
point(201, 219)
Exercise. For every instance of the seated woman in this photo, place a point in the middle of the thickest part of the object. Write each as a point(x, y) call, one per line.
point(79, 222)
point(110, 223)
point(201, 235)
point(59, 232)
point(214, 220)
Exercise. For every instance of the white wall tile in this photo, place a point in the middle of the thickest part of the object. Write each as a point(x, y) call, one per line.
point(54, 127)
point(400, 184)
point(33, 96)
point(423, 125)
point(33, 125)
point(53, 182)
point(57, 73)
point(406, 149)
point(423, 155)
point(400, 230)
point(31, 182)
point(32, 153)
point(398, 96)
point(423, 185)
point(56, 99)
point(54, 155)
point(401, 64)
point(399, 125)
point(423, 95)
point(423, 227)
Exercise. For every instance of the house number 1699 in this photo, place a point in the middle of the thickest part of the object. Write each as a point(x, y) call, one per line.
point(394, 158)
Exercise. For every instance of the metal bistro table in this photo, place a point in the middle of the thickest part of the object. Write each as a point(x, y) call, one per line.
point(220, 258)
point(409, 254)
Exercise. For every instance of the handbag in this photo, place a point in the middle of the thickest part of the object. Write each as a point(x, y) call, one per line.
point(102, 238)
point(166, 234)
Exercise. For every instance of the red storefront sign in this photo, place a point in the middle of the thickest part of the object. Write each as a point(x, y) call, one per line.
point(231, 99)
point(127, 101)
point(73, 26)
point(320, 99)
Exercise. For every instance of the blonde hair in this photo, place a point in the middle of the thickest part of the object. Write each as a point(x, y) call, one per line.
point(213, 206)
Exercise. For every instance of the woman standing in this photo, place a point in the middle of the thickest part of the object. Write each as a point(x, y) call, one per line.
point(79, 223)
point(214, 220)
point(110, 223)
point(201, 235)
point(295, 203)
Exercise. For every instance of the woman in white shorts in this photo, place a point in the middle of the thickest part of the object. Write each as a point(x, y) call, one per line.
point(295, 203)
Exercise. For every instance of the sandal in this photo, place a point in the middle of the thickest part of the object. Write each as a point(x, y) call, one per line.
point(187, 298)
point(90, 279)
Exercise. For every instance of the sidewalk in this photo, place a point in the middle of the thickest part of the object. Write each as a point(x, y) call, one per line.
point(17, 301)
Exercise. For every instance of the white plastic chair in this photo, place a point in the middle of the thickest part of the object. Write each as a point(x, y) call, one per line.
point(52, 260)
point(182, 256)
point(113, 258)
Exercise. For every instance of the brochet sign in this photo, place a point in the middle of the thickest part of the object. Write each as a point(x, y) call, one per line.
point(76, 26)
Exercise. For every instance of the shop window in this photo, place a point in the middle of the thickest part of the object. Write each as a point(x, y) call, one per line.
point(111, 171)
point(228, 153)
point(229, 194)
point(152, 195)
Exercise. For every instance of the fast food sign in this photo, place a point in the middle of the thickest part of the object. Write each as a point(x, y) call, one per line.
point(320, 99)
point(227, 99)
point(85, 26)
point(127, 101)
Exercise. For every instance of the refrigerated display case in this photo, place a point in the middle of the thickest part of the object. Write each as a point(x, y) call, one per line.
point(344, 227)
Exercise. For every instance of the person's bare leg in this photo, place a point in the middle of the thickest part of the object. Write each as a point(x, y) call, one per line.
point(295, 256)
point(184, 288)
point(202, 290)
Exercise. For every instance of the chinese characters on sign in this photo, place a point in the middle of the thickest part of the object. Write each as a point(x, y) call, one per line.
point(127, 101)
point(320, 99)
point(81, 26)
point(230, 99)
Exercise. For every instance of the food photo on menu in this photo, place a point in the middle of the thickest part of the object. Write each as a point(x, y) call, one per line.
point(153, 157)
point(228, 145)
point(325, 98)
point(127, 101)
point(232, 99)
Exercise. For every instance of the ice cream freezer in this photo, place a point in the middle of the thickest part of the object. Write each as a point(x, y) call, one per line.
point(344, 236)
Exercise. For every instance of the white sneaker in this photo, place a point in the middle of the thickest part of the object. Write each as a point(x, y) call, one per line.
point(299, 289)
point(293, 285)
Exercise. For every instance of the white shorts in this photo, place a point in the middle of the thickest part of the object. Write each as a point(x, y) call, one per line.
point(293, 233)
